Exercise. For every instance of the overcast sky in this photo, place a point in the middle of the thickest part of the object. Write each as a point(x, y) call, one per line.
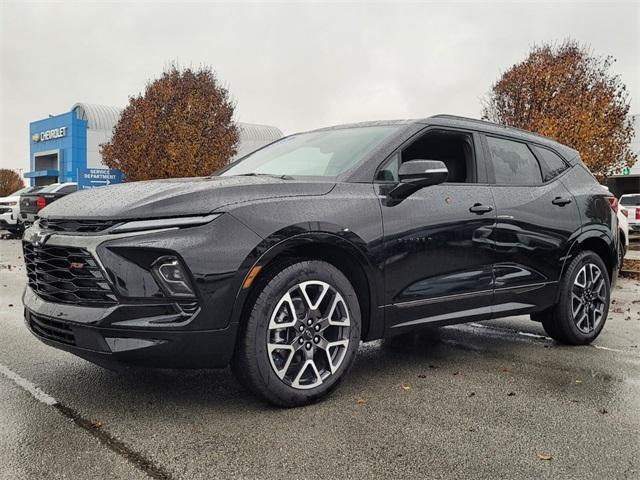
point(293, 65)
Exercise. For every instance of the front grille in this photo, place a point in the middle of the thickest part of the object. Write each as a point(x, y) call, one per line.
point(66, 275)
point(82, 226)
point(51, 329)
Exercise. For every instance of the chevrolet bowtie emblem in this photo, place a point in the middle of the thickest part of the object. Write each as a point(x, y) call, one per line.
point(40, 238)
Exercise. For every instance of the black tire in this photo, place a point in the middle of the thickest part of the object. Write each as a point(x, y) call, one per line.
point(253, 364)
point(559, 322)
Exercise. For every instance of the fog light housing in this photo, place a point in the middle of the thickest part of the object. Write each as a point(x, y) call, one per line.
point(172, 277)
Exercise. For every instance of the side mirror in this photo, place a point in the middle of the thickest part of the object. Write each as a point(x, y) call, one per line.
point(417, 174)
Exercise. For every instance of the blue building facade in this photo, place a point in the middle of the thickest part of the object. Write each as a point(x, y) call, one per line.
point(58, 148)
point(63, 145)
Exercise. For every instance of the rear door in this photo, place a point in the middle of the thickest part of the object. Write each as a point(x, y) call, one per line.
point(536, 221)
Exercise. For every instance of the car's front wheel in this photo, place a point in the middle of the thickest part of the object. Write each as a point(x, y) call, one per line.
point(301, 334)
point(583, 305)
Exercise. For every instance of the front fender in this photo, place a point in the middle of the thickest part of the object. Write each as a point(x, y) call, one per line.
point(316, 234)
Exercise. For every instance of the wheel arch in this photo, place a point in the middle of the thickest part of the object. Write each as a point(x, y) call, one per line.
point(598, 241)
point(345, 251)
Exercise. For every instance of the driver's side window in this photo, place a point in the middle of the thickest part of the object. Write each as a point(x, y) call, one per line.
point(454, 149)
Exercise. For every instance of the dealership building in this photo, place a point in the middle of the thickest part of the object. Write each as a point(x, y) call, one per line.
point(61, 145)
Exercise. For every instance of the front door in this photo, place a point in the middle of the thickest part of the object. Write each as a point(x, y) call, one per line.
point(438, 252)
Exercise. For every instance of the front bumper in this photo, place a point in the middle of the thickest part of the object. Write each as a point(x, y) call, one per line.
point(8, 219)
point(155, 331)
point(81, 331)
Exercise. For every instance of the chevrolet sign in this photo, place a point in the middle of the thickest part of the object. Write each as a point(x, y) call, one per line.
point(49, 134)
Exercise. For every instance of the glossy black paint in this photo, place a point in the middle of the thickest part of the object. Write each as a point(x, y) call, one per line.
point(448, 253)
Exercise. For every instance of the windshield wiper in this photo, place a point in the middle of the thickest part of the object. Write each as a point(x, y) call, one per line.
point(253, 174)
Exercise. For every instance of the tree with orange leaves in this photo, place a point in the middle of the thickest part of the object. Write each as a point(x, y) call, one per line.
point(181, 127)
point(10, 182)
point(567, 93)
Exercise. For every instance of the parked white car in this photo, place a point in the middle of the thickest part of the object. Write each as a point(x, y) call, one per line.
point(10, 210)
point(631, 203)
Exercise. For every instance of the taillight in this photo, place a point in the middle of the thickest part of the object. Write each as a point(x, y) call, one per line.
point(41, 203)
point(613, 203)
point(637, 213)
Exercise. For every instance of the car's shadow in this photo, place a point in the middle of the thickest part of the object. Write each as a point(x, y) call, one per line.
point(136, 388)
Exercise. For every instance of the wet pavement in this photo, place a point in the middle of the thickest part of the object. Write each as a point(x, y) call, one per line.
point(490, 400)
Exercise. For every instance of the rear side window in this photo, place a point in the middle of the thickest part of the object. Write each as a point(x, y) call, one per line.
point(550, 163)
point(68, 189)
point(513, 162)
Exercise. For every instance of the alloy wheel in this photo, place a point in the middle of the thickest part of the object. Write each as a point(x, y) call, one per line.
point(308, 334)
point(588, 298)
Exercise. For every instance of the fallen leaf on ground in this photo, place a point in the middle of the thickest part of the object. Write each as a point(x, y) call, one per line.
point(96, 424)
point(603, 411)
point(505, 369)
point(456, 373)
point(361, 401)
point(544, 456)
point(578, 381)
point(511, 394)
point(471, 394)
point(422, 375)
point(405, 387)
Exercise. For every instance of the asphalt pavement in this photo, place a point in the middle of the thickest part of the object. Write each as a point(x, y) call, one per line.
point(496, 399)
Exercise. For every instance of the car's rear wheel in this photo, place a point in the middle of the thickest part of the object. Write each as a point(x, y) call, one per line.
point(301, 335)
point(581, 312)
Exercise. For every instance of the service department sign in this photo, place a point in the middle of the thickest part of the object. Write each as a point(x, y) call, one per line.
point(52, 134)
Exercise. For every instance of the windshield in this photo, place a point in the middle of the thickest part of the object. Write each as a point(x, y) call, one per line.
point(630, 201)
point(325, 153)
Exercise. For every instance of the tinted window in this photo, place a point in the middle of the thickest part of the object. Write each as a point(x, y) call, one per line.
point(68, 189)
point(513, 162)
point(630, 200)
point(552, 165)
point(454, 149)
point(50, 188)
point(323, 153)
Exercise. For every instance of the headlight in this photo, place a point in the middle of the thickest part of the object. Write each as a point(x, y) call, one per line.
point(172, 277)
point(164, 223)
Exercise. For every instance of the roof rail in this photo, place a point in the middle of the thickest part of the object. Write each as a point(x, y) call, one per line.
point(467, 119)
point(487, 122)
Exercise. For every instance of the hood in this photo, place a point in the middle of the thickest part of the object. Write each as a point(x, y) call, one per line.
point(176, 197)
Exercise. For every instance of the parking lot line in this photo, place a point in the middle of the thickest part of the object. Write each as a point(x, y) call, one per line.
point(29, 387)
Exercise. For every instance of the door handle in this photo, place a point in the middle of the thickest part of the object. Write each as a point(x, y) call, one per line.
point(480, 209)
point(561, 201)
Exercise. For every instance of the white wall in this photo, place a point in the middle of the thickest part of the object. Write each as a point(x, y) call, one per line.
point(94, 139)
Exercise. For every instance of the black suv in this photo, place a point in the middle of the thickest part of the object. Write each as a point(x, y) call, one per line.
point(282, 262)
